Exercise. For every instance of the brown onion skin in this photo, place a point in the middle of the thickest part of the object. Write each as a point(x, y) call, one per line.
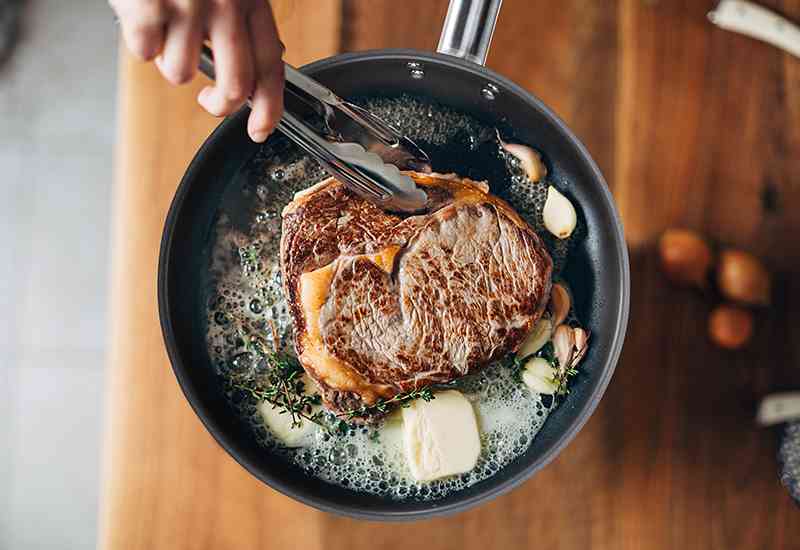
point(686, 258)
point(730, 326)
point(741, 277)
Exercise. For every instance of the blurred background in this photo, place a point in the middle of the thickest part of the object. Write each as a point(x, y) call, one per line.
point(57, 127)
point(693, 127)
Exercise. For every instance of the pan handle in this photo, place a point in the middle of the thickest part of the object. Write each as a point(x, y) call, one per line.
point(468, 29)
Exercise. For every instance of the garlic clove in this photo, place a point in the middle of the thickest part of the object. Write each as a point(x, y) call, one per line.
point(564, 344)
point(540, 376)
point(281, 424)
point(742, 277)
point(560, 303)
point(538, 337)
point(581, 345)
point(778, 408)
point(282, 427)
point(686, 257)
point(559, 215)
point(529, 159)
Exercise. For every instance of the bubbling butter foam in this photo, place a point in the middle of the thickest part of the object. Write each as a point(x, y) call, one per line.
point(245, 287)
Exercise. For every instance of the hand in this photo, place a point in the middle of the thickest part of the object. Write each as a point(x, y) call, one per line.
point(247, 51)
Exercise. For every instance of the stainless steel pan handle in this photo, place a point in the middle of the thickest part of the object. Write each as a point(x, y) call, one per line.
point(468, 29)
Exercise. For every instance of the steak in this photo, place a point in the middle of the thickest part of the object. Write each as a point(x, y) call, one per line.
point(384, 304)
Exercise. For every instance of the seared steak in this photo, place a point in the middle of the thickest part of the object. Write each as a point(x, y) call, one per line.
point(383, 304)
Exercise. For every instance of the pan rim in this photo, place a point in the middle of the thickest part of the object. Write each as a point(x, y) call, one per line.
point(432, 508)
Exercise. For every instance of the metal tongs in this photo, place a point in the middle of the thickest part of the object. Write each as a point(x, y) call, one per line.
point(355, 146)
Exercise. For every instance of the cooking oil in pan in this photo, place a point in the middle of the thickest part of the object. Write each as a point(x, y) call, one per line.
point(245, 288)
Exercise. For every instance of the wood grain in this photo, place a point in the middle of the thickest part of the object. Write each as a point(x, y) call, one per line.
point(690, 125)
point(167, 483)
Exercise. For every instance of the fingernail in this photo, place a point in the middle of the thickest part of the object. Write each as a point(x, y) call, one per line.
point(259, 136)
point(202, 97)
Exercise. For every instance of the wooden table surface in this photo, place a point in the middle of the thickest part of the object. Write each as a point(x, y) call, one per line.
point(690, 125)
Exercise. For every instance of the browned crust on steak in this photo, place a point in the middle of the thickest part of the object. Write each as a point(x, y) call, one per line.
point(401, 303)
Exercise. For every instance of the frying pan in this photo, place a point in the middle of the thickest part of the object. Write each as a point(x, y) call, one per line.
point(597, 270)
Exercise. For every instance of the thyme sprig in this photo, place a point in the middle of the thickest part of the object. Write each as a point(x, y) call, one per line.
point(300, 407)
point(381, 406)
point(281, 384)
point(249, 257)
point(561, 379)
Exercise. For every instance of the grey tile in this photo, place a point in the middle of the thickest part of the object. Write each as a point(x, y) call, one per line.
point(56, 457)
point(8, 382)
point(16, 209)
point(57, 98)
point(63, 296)
point(64, 75)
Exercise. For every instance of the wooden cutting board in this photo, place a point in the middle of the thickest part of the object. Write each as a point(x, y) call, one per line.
point(691, 125)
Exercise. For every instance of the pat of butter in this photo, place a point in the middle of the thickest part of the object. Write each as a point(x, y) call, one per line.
point(279, 422)
point(441, 436)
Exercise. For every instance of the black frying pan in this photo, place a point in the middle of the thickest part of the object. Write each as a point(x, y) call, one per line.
point(597, 270)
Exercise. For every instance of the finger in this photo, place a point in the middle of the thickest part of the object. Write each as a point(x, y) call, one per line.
point(142, 26)
point(267, 106)
point(181, 54)
point(267, 103)
point(233, 61)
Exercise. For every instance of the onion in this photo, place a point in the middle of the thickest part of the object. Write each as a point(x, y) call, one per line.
point(559, 215)
point(730, 327)
point(742, 277)
point(529, 159)
point(685, 257)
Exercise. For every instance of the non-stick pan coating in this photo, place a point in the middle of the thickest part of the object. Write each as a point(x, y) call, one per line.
point(597, 270)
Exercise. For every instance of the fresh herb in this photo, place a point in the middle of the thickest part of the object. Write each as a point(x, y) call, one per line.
point(249, 258)
point(282, 385)
point(382, 406)
point(561, 379)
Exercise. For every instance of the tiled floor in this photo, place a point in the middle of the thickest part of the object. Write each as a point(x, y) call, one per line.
point(56, 132)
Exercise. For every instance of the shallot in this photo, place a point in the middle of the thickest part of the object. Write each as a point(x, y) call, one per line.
point(686, 257)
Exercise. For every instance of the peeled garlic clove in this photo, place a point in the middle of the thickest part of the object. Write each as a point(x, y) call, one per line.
point(686, 257)
point(529, 159)
point(564, 344)
point(581, 345)
point(742, 277)
point(538, 337)
point(560, 303)
point(559, 215)
point(730, 327)
point(281, 424)
point(540, 376)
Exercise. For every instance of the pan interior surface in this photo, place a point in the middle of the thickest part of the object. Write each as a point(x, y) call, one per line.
point(596, 269)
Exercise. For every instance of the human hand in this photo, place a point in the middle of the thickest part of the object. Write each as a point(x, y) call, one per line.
point(247, 51)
